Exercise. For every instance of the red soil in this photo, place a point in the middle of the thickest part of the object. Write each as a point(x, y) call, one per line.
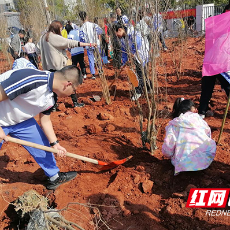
point(140, 194)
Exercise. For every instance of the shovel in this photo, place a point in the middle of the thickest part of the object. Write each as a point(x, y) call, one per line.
point(133, 78)
point(106, 166)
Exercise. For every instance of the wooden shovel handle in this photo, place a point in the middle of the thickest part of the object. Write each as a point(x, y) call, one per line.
point(49, 149)
point(224, 118)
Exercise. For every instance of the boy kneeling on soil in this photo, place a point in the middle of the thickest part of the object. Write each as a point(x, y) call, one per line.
point(188, 139)
point(24, 93)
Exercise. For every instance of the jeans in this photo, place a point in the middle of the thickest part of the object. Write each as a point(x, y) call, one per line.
point(90, 53)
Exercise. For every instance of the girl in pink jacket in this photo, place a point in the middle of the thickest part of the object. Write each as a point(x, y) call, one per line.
point(188, 139)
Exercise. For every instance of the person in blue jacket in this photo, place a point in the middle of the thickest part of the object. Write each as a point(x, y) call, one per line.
point(133, 42)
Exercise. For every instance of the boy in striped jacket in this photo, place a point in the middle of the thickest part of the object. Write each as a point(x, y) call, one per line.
point(25, 93)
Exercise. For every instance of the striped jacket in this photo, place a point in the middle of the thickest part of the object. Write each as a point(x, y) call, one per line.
point(137, 45)
point(123, 19)
point(75, 35)
point(29, 93)
point(89, 33)
point(22, 63)
point(226, 75)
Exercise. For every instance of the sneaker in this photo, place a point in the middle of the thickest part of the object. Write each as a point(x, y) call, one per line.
point(202, 116)
point(63, 177)
point(165, 48)
point(136, 96)
point(85, 76)
point(77, 104)
point(93, 77)
point(55, 108)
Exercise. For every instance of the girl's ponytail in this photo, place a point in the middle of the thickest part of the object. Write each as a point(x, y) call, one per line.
point(176, 112)
point(182, 106)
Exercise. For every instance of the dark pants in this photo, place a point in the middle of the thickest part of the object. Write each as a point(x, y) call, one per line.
point(79, 58)
point(160, 35)
point(74, 97)
point(140, 86)
point(139, 89)
point(207, 86)
point(104, 46)
point(116, 53)
point(162, 40)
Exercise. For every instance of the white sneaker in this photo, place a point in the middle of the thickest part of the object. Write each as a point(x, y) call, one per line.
point(202, 116)
point(85, 76)
point(136, 96)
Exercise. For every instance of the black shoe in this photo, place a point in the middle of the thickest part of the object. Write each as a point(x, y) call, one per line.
point(63, 177)
point(77, 104)
point(55, 108)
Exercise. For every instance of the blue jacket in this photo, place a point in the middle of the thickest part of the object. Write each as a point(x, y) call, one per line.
point(141, 53)
point(75, 35)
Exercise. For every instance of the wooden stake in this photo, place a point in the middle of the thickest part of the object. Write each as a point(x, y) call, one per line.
point(223, 122)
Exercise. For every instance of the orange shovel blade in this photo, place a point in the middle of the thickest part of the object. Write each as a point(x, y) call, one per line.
point(115, 163)
point(132, 77)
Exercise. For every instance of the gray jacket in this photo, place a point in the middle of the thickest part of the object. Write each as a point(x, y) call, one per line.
point(53, 53)
point(15, 46)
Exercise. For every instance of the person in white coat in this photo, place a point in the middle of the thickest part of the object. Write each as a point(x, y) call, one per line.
point(89, 33)
point(188, 139)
